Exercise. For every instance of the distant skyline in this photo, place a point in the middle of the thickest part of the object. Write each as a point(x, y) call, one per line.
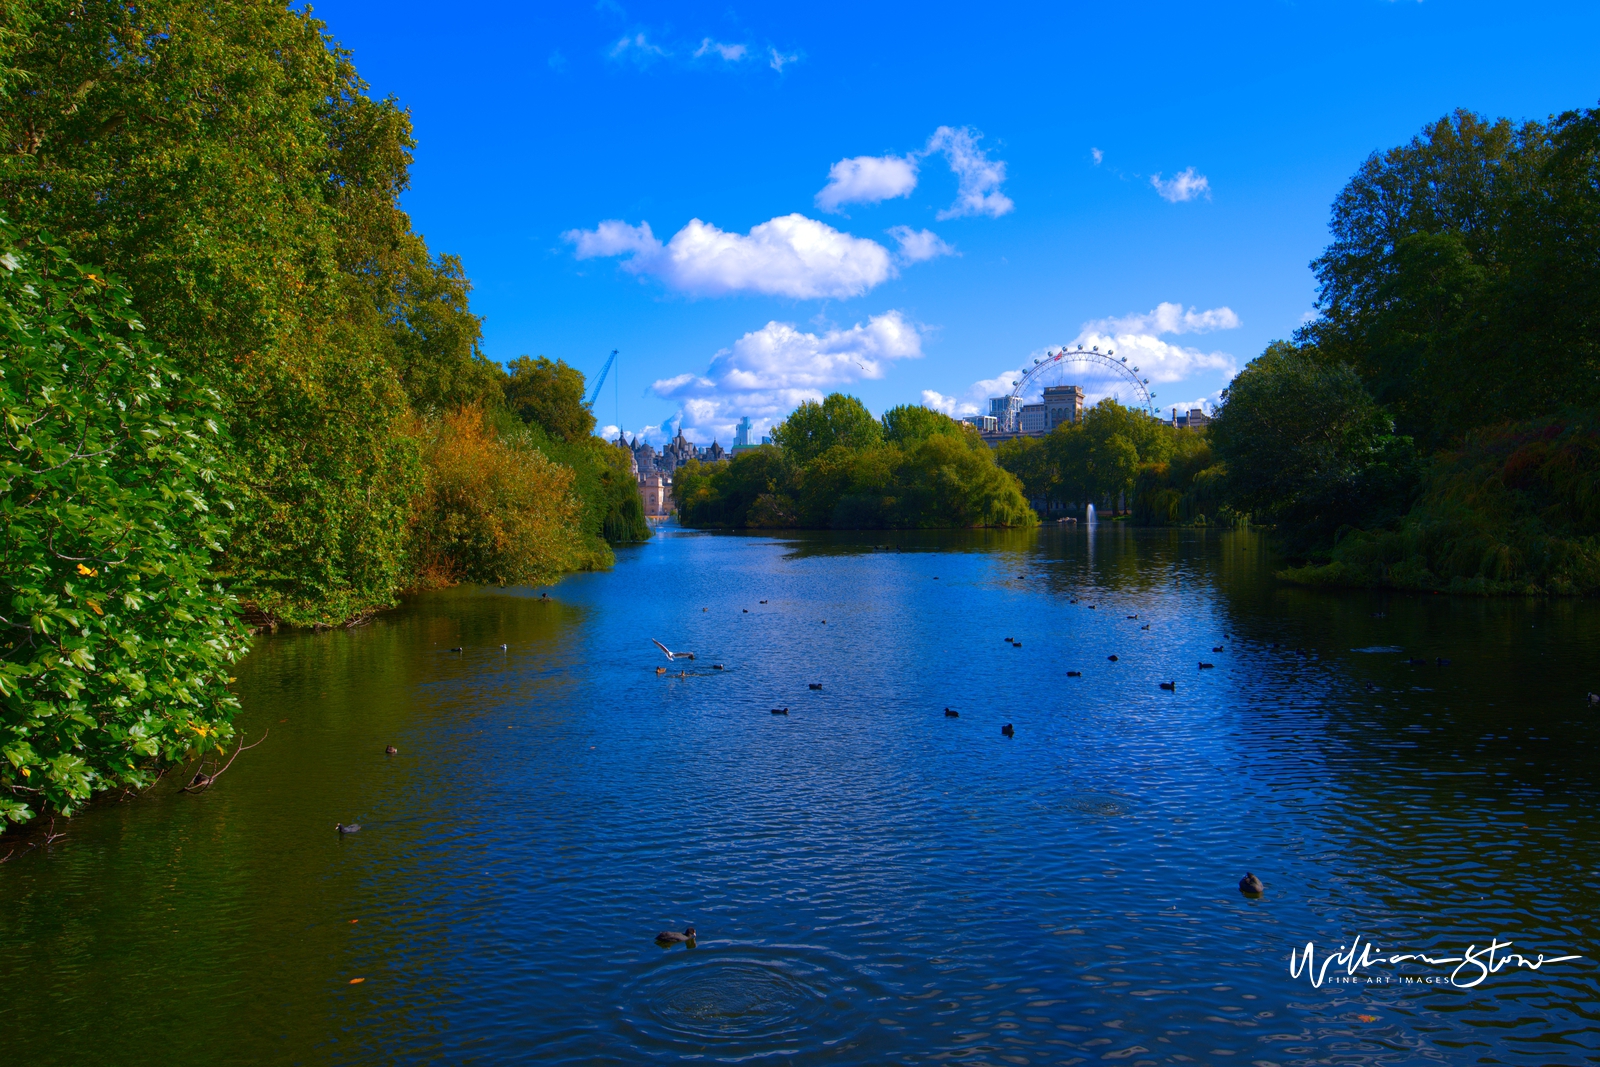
point(911, 203)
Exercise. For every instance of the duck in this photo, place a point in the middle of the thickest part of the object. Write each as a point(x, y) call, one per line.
point(503, 647)
point(347, 828)
point(1146, 626)
point(718, 667)
point(1173, 686)
point(1007, 730)
point(661, 670)
point(1008, 640)
point(456, 649)
point(747, 611)
point(951, 713)
point(780, 711)
point(763, 601)
point(1594, 698)
point(390, 750)
point(1112, 657)
point(1251, 886)
point(672, 937)
point(1133, 616)
point(1442, 662)
point(1093, 606)
point(815, 685)
point(1412, 661)
point(681, 674)
point(1217, 649)
point(1016, 644)
point(1074, 674)
point(544, 596)
point(1206, 666)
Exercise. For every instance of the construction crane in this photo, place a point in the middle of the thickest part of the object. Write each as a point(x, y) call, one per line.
point(598, 382)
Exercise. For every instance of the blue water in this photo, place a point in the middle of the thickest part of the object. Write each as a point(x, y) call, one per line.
point(872, 882)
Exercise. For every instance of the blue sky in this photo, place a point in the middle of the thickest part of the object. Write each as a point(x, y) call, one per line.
point(910, 202)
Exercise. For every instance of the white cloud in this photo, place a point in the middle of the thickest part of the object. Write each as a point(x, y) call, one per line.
point(1168, 318)
point(790, 255)
point(873, 179)
point(731, 52)
point(978, 176)
point(1138, 337)
point(767, 373)
point(868, 180)
point(919, 245)
point(637, 47)
point(1185, 186)
point(780, 60)
point(1098, 155)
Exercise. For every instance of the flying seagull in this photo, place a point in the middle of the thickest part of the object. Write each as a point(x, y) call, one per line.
point(671, 654)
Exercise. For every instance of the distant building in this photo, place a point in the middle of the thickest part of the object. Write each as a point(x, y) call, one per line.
point(1062, 403)
point(984, 423)
point(1005, 410)
point(741, 433)
point(656, 489)
point(1195, 420)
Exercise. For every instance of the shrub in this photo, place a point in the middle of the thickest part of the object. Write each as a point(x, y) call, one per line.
point(115, 641)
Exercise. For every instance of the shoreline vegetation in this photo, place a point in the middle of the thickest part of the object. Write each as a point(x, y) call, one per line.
point(237, 387)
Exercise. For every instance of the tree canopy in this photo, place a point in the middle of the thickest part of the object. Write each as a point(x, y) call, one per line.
point(813, 428)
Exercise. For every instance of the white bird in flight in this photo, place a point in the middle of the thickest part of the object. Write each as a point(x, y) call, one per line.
point(671, 654)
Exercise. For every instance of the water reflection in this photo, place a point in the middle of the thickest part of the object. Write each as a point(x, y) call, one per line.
point(873, 882)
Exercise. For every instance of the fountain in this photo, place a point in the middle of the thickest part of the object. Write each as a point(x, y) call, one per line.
point(1090, 517)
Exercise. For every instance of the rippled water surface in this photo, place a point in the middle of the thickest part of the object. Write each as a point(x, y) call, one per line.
point(872, 882)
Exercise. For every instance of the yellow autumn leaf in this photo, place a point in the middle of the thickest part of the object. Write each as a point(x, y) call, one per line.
point(94, 606)
point(87, 572)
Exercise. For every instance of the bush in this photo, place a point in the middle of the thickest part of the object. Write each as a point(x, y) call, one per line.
point(115, 640)
point(495, 511)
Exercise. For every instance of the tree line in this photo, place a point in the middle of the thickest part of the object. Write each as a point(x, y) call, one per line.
point(237, 385)
point(832, 465)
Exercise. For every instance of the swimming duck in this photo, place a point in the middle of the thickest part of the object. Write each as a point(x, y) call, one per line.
point(1594, 698)
point(456, 649)
point(1217, 649)
point(1207, 666)
point(815, 685)
point(1442, 662)
point(747, 611)
point(1008, 639)
point(780, 711)
point(1251, 886)
point(1007, 730)
point(763, 601)
point(672, 937)
point(1412, 661)
point(1074, 674)
point(1146, 626)
point(951, 714)
point(1133, 616)
point(1173, 686)
point(661, 670)
point(1016, 644)
point(717, 667)
point(390, 750)
point(1112, 658)
point(502, 648)
point(345, 828)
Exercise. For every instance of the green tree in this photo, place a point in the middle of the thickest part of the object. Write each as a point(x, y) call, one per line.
point(813, 428)
point(551, 395)
point(907, 424)
point(225, 156)
point(115, 641)
point(1306, 447)
point(1459, 283)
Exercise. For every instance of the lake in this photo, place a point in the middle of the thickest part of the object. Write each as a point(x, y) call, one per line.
point(872, 881)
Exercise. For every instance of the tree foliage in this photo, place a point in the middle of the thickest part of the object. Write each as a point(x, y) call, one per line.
point(1460, 283)
point(549, 395)
point(931, 473)
point(813, 428)
point(115, 641)
point(1094, 459)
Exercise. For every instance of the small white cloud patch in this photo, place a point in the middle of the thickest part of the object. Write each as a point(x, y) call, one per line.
point(1188, 185)
point(730, 52)
point(790, 255)
point(919, 245)
point(867, 180)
